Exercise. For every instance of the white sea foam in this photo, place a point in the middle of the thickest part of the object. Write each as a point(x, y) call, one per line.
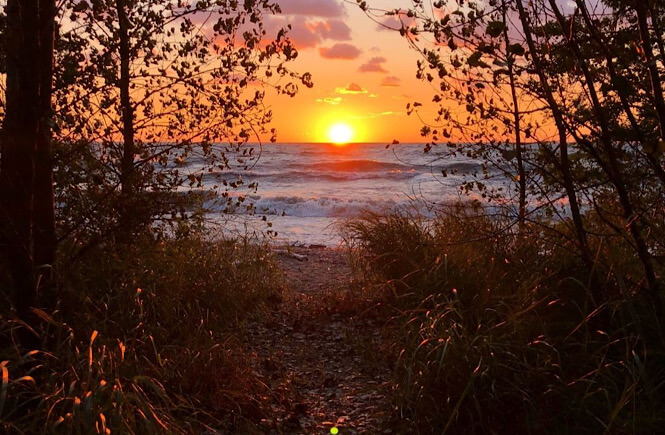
point(303, 189)
point(299, 206)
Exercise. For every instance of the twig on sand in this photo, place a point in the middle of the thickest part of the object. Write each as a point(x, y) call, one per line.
point(291, 254)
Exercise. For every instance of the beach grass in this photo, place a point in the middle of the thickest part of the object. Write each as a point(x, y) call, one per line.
point(494, 331)
point(144, 340)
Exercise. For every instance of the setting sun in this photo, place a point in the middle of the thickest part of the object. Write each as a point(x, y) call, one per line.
point(340, 133)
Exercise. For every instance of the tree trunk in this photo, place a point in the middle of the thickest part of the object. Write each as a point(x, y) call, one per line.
point(568, 183)
point(127, 167)
point(19, 141)
point(44, 205)
point(656, 85)
point(521, 217)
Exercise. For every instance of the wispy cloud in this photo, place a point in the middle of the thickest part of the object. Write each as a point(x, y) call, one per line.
point(352, 88)
point(392, 81)
point(373, 115)
point(375, 64)
point(306, 33)
point(336, 30)
point(317, 8)
point(340, 51)
point(330, 100)
point(397, 21)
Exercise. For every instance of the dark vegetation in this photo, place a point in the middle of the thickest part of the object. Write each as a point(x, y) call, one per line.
point(497, 332)
point(142, 340)
point(119, 311)
point(543, 312)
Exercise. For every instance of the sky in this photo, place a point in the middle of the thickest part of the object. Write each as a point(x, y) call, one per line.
point(363, 75)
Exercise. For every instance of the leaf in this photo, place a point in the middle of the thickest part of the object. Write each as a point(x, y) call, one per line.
point(25, 379)
point(92, 339)
point(508, 154)
point(494, 28)
point(81, 6)
point(45, 317)
point(622, 85)
point(516, 49)
point(475, 60)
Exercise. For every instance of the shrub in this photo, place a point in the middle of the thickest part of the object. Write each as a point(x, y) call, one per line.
point(497, 332)
point(142, 341)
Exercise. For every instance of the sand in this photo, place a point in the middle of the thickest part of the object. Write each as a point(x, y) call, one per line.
point(317, 358)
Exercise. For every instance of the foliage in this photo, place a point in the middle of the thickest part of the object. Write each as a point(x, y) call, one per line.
point(549, 319)
point(582, 84)
point(143, 341)
point(138, 333)
point(495, 332)
point(150, 92)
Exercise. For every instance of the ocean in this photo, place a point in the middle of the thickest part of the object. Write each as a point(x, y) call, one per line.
point(299, 192)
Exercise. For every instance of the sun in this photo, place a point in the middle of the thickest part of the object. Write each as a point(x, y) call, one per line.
point(340, 134)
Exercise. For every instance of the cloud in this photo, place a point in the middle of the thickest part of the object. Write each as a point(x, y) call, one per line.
point(401, 97)
point(306, 33)
point(312, 8)
point(375, 64)
point(330, 100)
point(391, 81)
point(337, 30)
point(340, 51)
point(352, 88)
point(312, 22)
point(372, 115)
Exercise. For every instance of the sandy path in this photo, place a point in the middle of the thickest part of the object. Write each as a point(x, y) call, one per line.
point(319, 361)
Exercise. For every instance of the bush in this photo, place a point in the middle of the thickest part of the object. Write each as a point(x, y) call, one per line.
point(142, 341)
point(497, 332)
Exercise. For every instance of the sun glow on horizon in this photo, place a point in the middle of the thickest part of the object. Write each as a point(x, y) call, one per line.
point(340, 134)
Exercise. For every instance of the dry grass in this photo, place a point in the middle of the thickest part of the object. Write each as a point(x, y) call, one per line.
point(142, 342)
point(498, 333)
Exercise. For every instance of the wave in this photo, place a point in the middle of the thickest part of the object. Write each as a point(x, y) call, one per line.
point(308, 207)
point(337, 171)
point(302, 175)
point(361, 166)
point(463, 167)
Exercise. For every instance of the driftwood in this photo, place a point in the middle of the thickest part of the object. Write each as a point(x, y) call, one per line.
point(291, 254)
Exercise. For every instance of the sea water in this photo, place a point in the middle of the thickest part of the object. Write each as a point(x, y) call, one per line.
point(299, 192)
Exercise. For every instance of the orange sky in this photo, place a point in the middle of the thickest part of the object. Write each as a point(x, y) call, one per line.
point(363, 76)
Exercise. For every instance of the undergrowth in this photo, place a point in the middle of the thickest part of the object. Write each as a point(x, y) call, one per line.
point(142, 341)
point(499, 332)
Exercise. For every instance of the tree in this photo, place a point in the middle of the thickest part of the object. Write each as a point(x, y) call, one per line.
point(601, 140)
point(25, 164)
point(595, 96)
point(164, 80)
point(477, 103)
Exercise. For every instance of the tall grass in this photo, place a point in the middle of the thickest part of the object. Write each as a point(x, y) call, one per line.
point(142, 341)
point(497, 332)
